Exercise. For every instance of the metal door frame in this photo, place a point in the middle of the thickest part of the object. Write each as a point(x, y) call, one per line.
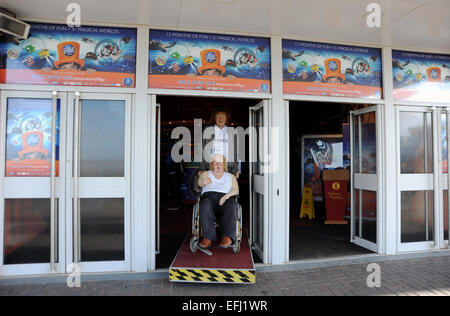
point(50, 187)
point(255, 180)
point(436, 181)
point(367, 182)
point(97, 187)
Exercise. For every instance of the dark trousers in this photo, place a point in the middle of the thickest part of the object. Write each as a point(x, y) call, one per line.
point(226, 214)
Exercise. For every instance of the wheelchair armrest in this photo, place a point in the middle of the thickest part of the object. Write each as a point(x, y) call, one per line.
point(236, 197)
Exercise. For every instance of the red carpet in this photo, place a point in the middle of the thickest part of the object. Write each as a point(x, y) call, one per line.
point(221, 258)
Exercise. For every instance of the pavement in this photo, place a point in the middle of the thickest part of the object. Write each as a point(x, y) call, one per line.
point(411, 275)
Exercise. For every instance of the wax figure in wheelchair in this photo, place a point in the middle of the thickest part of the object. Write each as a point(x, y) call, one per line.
point(217, 206)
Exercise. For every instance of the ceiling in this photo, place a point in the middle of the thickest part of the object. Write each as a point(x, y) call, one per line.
point(407, 24)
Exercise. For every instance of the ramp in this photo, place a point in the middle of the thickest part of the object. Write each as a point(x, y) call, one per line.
point(222, 267)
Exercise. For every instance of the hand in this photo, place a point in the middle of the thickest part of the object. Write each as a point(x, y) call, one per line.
point(207, 181)
point(223, 200)
point(237, 175)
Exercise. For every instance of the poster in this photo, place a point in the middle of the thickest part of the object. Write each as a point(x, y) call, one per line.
point(421, 77)
point(55, 54)
point(320, 152)
point(199, 61)
point(331, 70)
point(29, 138)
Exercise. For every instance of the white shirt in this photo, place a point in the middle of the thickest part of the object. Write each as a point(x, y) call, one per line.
point(222, 185)
point(220, 145)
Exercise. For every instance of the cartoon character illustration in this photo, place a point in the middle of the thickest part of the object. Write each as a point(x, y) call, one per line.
point(322, 153)
point(434, 74)
point(398, 64)
point(69, 58)
point(111, 51)
point(362, 67)
point(247, 58)
point(226, 48)
point(211, 64)
point(289, 54)
point(33, 147)
point(87, 40)
point(158, 45)
point(333, 72)
point(345, 57)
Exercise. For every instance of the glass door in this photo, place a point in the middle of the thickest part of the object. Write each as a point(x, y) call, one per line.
point(419, 193)
point(32, 177)
point(445, 176)
point(98, 210)
point(366, 199)
point(259, 176)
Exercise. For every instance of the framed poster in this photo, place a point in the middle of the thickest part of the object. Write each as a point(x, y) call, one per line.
point(56, 54)
point(331, 70)
point(200, 61)
point(29, 137)
point(320, 152)
point(421, 77)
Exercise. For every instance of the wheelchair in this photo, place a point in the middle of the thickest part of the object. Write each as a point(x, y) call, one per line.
point(197, 230)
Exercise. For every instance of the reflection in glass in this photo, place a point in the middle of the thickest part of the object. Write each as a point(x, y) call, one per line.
point(258, 220)
point(27, 231)
point(102, 140)
point(445, 210)
point(369, 216)
point(29, 137)
point(102, 225)
point(416, 142)
point(356, 163)
point(357, 212)
point(417, 216)
point(444, 142)
point(259, 122)
point(369, 143)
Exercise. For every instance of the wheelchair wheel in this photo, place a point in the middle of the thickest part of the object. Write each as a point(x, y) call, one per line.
point(237, 243)
point(193, 245)
point(196, 222)
point(237, 248)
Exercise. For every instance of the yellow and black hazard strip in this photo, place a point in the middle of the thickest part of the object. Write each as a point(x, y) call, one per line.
point(212, 276)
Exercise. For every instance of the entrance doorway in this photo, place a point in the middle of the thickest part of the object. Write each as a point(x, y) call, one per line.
point(326, 136)
point(174, 180)
point(81, 212)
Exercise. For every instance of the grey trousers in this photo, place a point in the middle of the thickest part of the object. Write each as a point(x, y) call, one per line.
point(226, 214)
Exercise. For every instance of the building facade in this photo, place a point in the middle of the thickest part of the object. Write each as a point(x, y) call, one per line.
point(105, 143)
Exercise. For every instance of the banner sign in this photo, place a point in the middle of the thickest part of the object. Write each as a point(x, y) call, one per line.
point(199, 61)
point(331, 70)
point(29, 138)
point(56, 54)
point(421, 76)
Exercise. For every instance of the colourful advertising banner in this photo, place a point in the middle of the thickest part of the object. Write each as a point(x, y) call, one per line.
point(331, 70)
point(421, 76)
point(56, 54)
point(29, 138)
point(199, 61)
